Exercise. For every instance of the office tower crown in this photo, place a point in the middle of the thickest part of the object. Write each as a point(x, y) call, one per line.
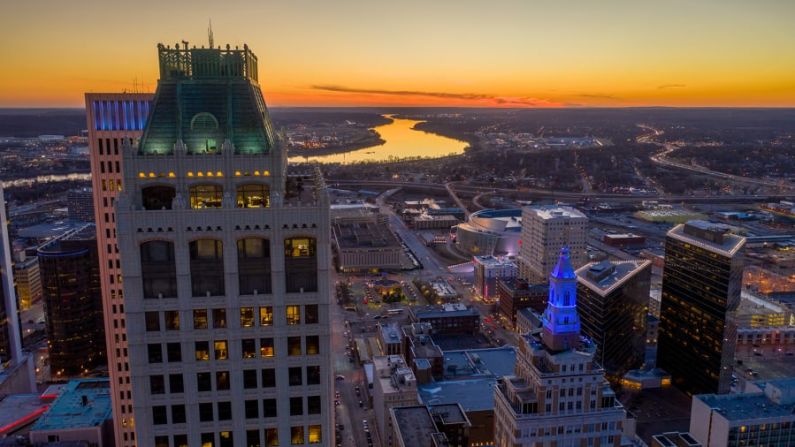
point(561, 323)
point(208, 101)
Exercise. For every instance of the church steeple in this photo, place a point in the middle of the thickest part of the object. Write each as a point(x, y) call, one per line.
point(561, 323)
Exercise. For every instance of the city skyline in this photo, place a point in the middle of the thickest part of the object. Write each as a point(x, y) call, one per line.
point(512, 54)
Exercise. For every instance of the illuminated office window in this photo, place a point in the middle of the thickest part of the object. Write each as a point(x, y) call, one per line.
point(266, 347)
point(253, 195)
point(246, 317)
point(221, 350)
point(206, 196)
point(293, 315)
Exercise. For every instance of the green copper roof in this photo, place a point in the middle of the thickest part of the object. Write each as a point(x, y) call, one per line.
point(203, 99)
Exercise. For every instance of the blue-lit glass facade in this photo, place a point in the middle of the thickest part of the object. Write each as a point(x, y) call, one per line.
point(120, 114)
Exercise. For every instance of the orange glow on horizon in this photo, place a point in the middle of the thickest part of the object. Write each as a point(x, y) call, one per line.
point(513, 53)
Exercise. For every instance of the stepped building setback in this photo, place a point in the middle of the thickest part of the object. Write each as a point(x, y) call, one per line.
point(558, 395)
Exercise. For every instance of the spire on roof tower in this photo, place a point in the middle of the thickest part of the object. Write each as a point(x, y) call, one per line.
point(210, 33)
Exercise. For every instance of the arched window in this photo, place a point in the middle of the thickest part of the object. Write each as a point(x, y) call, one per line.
point(207, 267)
point(206, 196)
point(253, 195)
point(204, 135)
point(254, 265)
point(203, 121)
point(300, 264)
point(158, 269)
point(158, 197)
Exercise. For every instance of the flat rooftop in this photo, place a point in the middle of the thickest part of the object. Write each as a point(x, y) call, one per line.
point(364, 235)
point(488, 362)
point(414, 425)
point(591, 274)
point(738, 407)
point(548, 212)
point(441, 312)
point(86, 233)
point(82, 403)
point(449, 413)
point(730, 245)
point(471, 394)
point(658, 410)
point(497, 362)
point(19, 410)
point(390, 333)
point(47, 230)
point(493, 261)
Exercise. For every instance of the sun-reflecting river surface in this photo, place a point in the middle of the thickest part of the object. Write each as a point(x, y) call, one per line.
point(401, 141)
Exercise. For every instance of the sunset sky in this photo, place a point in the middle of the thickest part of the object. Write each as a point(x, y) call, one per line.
point(432, 52)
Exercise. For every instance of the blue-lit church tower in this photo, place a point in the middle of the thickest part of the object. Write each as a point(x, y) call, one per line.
point(561, 329)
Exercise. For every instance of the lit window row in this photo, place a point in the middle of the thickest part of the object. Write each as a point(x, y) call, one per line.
point(299, 435)
point(171, 174)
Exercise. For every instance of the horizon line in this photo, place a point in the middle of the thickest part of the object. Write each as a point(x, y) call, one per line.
point(470, 107)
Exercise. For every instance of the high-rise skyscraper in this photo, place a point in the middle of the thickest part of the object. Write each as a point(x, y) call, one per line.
point(558, 395)
point(80, 204)
point(10, 336)
point(112, 120)
point(27, 278)
point(73, 302)
point(701, 287)
point(613, 302)
point(18, 375)
point(225, 266)
point(545, 230)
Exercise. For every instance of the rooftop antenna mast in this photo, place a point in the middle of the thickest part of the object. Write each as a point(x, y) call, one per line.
point(210, 33)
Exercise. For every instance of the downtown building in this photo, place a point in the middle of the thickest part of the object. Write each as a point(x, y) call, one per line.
point(113, 120)
point(27, 277)
point(80, 204)
point(558, 395)
point(701, 286)
point(226, 263)
point(16, 366)
point(73, 302)
point(10, 335)
point(489, 270)
point(613, 303)
point(545, 231)
point(765, 418)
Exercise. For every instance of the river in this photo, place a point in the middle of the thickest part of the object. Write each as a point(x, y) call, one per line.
point(401, 141)
point(54, 178)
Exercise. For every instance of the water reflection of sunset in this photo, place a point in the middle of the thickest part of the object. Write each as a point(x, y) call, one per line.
point(401, 141)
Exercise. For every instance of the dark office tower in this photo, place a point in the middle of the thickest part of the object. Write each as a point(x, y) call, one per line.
point(73, 302)
point(80, 204)
point(613, 302)
point(701, 286)
point(225, 264)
